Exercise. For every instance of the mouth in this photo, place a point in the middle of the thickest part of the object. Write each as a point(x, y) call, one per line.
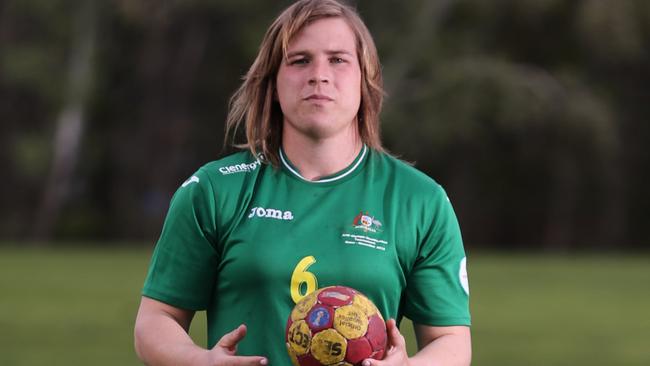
point(319, 97)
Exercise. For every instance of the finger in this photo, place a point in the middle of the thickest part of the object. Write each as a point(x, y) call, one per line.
point(390, 359)
point(230, 340)
point(395, 338)
point(396, 353)
point(247, 361)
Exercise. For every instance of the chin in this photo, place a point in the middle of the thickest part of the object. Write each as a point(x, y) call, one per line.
point(319, 131)
point(320, 126)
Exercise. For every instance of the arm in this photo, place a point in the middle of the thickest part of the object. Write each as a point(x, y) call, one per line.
point(161, 338)
point(438, 346)
point(442, 345)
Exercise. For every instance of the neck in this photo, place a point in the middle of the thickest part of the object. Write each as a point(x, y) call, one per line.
point(317, 159)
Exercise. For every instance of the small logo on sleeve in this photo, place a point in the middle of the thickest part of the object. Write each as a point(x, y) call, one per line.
point(193, 179)
point(462, 275)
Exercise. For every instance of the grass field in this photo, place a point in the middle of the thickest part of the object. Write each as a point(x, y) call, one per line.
point(76, 306)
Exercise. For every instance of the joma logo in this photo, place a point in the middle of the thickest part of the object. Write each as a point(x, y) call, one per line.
point(270, 213)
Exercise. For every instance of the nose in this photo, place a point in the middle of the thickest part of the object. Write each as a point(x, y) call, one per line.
point(320, 72)
point(318, 80)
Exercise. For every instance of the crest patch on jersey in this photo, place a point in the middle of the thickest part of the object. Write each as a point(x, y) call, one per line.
point(364, 231)
point(367, 223)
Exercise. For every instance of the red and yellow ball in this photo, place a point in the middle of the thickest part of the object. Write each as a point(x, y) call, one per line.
point(335, 325)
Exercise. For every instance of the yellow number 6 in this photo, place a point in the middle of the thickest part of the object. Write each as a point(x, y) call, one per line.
point(300, 276)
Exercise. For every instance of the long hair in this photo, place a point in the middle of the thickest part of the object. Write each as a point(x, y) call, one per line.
point(254, 105)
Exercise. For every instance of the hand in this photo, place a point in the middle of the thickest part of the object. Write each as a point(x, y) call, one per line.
point(223, 353)
point(396, 355)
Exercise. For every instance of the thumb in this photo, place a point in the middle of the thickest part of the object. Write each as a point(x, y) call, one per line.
point(230, 340)
point(395, 337)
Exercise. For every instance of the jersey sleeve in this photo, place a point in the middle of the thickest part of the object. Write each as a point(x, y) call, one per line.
point(183, 266)
point(437, 291)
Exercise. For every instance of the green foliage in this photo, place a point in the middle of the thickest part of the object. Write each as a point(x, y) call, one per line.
point(34, 46)
point(31, 154)
point(529, 112)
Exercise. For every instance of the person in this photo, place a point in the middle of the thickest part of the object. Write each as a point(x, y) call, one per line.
point(312, 200)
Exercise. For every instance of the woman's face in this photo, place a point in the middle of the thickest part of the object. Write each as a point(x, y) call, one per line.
point(319, 82)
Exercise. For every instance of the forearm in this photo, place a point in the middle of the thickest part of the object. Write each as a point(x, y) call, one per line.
point(161, 341)
point(446, 350)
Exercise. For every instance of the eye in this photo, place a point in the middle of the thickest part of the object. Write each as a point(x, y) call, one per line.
point(337, 60)
point(299, 61)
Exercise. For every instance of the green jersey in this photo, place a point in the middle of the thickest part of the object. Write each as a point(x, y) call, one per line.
point(245, 241)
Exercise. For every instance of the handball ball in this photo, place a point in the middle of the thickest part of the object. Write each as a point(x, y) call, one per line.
point(335, 325)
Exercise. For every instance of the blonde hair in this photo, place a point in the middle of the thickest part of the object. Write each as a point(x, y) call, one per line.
point(254, 104)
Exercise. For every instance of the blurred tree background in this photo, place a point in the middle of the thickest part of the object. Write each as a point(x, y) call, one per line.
point(531, 113)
